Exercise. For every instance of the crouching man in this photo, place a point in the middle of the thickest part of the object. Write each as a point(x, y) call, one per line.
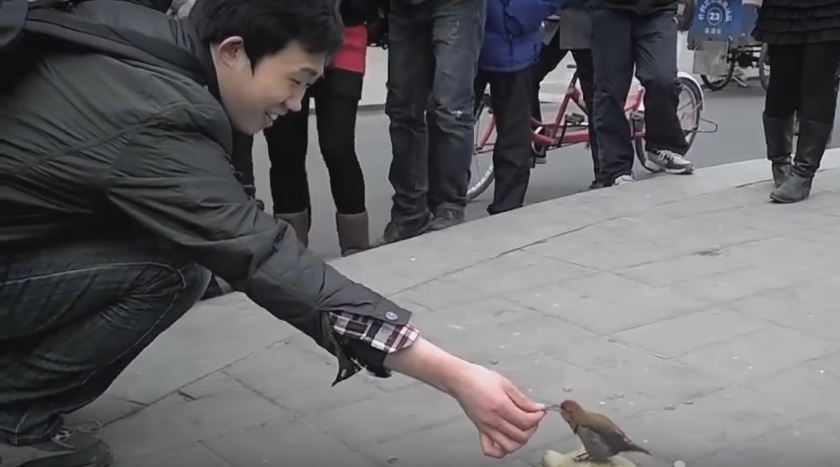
point(118, 200)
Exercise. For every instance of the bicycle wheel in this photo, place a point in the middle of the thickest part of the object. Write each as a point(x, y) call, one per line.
point(764, 67)
point(722, 82)
point(485, 136)
point(689, 110)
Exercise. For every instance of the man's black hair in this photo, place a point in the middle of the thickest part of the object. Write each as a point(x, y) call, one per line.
point(268, 26)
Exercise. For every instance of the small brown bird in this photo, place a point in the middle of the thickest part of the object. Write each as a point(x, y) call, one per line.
point(601, 438)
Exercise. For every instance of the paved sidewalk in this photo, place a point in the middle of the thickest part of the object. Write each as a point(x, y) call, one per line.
point(691, 310)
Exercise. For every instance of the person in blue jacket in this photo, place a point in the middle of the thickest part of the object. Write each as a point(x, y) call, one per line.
point(512, 43)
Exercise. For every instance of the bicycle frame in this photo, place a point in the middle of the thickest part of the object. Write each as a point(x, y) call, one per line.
point(558, 133)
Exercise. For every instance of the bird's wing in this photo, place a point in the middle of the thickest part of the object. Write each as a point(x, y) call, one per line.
point(604, 421)
point(612, 436)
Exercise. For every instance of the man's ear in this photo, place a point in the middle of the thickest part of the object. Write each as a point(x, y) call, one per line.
point(231, 53)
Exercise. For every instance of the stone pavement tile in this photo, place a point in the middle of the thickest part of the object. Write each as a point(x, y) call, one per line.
point(298, 379)
point(806, 260)
point(440, 293)
point(179, 420)
point(517, 271)
point(781, 307)
point(766, 218)
point(828, 363)
point(546, 379)
point(732, 285)
point(667, 381)
point(761, 353)
point(792, 446)
point(192, 455)
point(105, 410)
point(392, 416)
point(679, 269)
point(820, 293)
point(807, 390)
point(714, 422)
point(676, 336)
point(197, 345)
point(606, 303)
point(287, 443)
point(494, 329)
point(597, 249)
point(705, 231)
point(453, 444)
point(410, 263)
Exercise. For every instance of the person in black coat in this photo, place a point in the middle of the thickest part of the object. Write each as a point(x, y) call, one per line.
point(803, 38)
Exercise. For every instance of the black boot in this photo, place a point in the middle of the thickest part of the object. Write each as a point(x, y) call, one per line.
point(778, 135)
point(810, 147)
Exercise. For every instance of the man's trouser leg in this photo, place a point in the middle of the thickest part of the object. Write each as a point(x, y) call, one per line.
point(512, 151)
point(74, 316)
point(655, 39)
point(612, 56)
point(457, 37)
point(410, 69)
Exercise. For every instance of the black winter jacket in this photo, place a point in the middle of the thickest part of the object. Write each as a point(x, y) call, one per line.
point(91, 145)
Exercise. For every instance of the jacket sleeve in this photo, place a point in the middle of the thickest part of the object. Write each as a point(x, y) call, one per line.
point(176, 181)
point(526, 16)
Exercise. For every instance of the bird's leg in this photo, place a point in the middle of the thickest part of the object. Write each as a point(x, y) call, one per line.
point(583, 457)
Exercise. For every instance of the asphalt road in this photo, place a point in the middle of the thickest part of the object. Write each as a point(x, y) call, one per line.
point(739, 136)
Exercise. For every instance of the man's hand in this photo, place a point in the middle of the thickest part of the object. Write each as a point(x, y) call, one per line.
point(506, 419)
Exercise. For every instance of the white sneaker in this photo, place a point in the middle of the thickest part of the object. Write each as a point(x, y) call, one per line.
point(669, 161)
point(623, 179)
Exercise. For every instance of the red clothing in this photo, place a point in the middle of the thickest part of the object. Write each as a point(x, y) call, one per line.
point(353, 53)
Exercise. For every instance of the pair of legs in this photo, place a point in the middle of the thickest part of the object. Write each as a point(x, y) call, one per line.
point(550, 56)
point(512, 153)
point(803, 83)
point(432, 62)
point(336, 98)
point(620, 40)
point(74, 316)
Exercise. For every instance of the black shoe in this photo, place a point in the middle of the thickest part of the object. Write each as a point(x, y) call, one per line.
point(445, 218)
point(810, 147)
point(66, 448)
point(778, 136)
point(397, 233)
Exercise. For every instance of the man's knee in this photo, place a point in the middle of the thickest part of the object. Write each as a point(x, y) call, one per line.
point(162, 291)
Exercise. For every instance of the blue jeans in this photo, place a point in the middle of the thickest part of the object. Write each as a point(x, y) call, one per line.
point(432, 62)
point(74, 316)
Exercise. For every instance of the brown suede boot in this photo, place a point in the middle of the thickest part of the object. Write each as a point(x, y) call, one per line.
point(299, 222)
point(353, 234)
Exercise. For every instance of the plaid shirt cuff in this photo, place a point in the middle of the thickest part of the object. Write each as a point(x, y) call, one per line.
point(367, 341)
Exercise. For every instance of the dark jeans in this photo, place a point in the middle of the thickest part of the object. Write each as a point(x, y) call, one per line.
point(803, 81)
point(287, 143)
point(73, 317)
point(550, 56)
point(432, 62)
point(620, 40)
point(512, 151)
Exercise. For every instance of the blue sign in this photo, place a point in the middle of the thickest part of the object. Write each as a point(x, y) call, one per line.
point(721, 20)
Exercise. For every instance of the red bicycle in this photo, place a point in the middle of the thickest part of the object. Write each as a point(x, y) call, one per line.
point(572, 128)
